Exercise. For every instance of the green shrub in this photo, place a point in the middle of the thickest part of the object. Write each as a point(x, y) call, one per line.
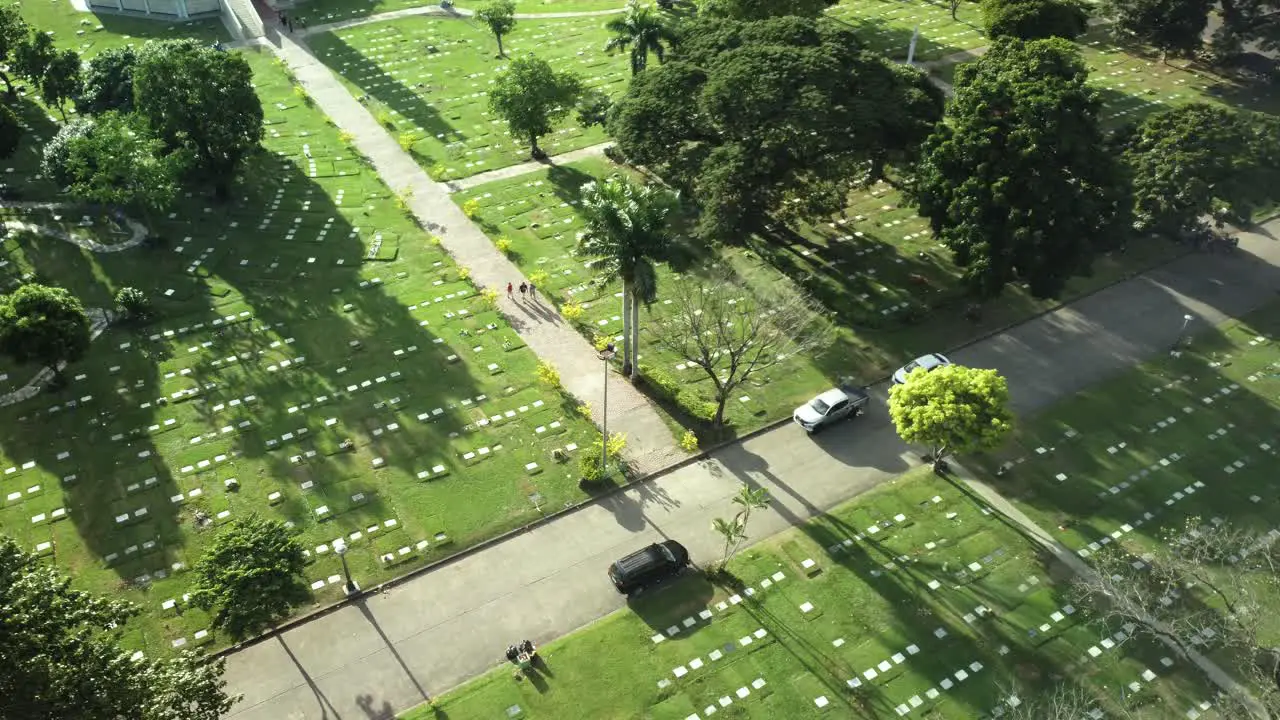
point(133, 304)
point(664, 385)
point(690, 402)
point(589, 462)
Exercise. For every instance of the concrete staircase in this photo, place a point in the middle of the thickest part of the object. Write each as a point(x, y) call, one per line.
point(242, 19)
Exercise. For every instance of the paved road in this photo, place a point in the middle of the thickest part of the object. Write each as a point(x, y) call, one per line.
point(388, 652)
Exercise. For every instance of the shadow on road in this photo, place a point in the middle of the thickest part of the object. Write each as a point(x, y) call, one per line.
point(363, 605)
point(628, 507)
point(327, 710)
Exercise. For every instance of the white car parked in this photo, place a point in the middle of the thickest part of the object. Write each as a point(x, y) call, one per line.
point(929, 362)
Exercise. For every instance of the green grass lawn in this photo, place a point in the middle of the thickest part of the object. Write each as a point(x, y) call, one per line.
point(917, 602)
point(308, 311)
point(890, 286)
point(1134, 458)
point(316, 12)
point(886, 26)
point(435, 102)
point(90, 33)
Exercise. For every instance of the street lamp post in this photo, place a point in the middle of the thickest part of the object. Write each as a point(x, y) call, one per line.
point(1182, 335)
point(606, 355)
point(340, 547)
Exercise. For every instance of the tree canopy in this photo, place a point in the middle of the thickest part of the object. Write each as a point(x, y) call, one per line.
point(42, 324)
point(250, 575)
point(777, 116)
point(108, 82)
point(13, 31)
point(200, 99)
point(764, 9)
point(532, 97)
point(951, 409)
point(1199, 160)
point(61, 80)
point(1035, 19)
point(62, 658)
point(1020, 183)
point(116, 161)
point(643, 30)
point(1170, 26)
point(500, 17)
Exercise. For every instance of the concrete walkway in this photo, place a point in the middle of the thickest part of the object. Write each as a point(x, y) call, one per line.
point(527, 167)
point(435, 11)
point(650, 445)
point(386, 653)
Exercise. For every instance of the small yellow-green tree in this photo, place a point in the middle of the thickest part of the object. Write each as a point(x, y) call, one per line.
point(952, 409)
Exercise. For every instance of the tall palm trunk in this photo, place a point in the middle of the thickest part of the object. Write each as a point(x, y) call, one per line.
point(627, 302)
point(635, 338)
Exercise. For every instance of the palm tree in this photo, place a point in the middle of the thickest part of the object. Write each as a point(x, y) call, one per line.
point(627, 229)
point(733, 532)
point(750, 499)
point(642, 30)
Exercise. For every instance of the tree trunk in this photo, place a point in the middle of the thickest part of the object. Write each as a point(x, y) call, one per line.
point(635, 338)
point(955, 5)
point(8, 83)
point(534, 151)
point(721, 399)
point(626, 329)
point(501, 52)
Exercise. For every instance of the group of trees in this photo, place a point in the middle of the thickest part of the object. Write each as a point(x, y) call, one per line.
point(773, 117)
point(1023, 184)
point(30, 54)
point(61, 646)
point(174, 111)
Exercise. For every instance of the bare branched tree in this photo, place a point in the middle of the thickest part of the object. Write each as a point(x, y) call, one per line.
point(1067, 701)
point(734, 334)
point(1208, 586)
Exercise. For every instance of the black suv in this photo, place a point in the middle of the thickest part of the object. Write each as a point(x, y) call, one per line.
point(646, 567)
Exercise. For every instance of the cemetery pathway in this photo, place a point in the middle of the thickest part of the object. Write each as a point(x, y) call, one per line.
point(435, 11)
point(527, 167)
point(650, 444)
point(389, 651)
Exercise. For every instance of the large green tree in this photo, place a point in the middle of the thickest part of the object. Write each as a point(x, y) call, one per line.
point(500, 17)
point(764, 9)
point(1199, 160)
point(118, 162)
point(250, 575)
point(1245, 21)
point(60, 648)
point(198, 98)
point(61, 80)
point(532, 97)
point(951, 409)
point(56, 154)
point(1170, 26)
point(108, 82)
point(13, 31)
point(627, 228)
point(45, 325)
point(1035, 19)
point(33, 54)
point(782, 116)
point(1019, 182)
point(643, 30)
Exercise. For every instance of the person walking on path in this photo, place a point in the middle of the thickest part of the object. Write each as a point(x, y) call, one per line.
point(509, 286)
point(524, 286)
point(533, 291)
